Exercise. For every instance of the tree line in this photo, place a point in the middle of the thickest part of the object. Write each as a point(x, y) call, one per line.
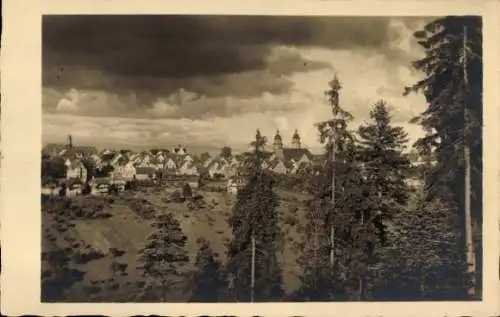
point(367, 235)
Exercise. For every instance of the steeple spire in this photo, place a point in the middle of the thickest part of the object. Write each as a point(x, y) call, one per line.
point(278, 142)
point(296, 140)
point(70, 140)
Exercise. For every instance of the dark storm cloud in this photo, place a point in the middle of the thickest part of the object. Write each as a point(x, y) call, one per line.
point(163, 53)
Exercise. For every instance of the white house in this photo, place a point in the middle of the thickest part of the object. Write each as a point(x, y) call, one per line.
point(216, 168)
point(170, 164)
point(188, 168)
point(126, 171)
point(234, 184)
point(145, 162)
point(278, 166)
point(75, 169)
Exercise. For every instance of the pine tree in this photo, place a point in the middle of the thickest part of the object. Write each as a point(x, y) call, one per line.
point(207, 280)
point(421, 260)
point(256, 234)
point(331, 220)
point(317, 277)
point(385, 166)
point(163, 257)
point(453, 89)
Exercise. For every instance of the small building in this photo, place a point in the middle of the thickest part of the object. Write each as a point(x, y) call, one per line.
point(127, 171)
point(145, 173)
point(74, 187)
point(75, 169)
point(188, 168)
point(193, 181)
point(50, 190)
point(235, 184)
point(100, 186)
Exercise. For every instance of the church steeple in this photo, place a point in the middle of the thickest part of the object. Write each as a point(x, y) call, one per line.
point(278, 142)
point(70, 140)
point(296, 140)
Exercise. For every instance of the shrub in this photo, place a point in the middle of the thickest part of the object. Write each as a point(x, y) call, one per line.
point(187, 192)
point(141, 284)
point(92, 289)
point(176, 197)
point(116, 253)
point(62, 228)
point(143, 208)
point(86, 256)
point(119, 267)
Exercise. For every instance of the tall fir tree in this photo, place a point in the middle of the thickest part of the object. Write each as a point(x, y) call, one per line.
point(332, 236)
point(453, 89)
point(420, 261)
point(256, 234)
point(207, 282)
point(385, 166)
point(163, 258)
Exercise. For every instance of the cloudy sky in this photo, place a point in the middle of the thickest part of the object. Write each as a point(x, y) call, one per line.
point(211, 81)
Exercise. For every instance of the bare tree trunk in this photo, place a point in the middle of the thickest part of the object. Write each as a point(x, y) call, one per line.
point(360, 279)
point(332, 231)
point(252, 278)
point(471, 259)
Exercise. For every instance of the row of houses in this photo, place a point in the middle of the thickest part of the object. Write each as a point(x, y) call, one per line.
point(159, 163)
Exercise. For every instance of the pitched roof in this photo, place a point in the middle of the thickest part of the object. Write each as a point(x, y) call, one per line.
point(107, 157)
point(144, 170)
point(296, 154)
point(54, 148)
point(79, 150)
point(122, 161)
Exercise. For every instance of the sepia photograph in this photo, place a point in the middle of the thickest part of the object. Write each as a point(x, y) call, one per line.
point(261, 158)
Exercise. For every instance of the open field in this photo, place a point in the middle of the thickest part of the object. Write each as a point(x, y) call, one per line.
point(118, 225)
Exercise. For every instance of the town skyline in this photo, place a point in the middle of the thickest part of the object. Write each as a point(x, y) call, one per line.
point(268, 77)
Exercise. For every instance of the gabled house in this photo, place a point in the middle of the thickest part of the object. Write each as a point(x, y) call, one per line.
point(75, 169)
point(217, 168)
point(170, 163)
point(188, 168)
point(145, 161)
point(278, 166)
point(123, 170)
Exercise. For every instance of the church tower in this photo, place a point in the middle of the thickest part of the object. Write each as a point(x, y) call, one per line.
point(278, 142)
point(278, 145)
point(296, 140)
point(70, 141)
